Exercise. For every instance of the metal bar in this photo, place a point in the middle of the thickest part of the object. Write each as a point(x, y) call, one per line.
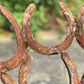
point(73, 76)
point(79, 30)
point(25, 68)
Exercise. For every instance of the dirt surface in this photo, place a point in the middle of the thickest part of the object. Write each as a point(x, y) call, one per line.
point(45, 69)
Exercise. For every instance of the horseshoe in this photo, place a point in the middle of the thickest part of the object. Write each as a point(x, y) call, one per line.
point(45, 49)
point(79, 31)
point(70, 68)
point(16, 59)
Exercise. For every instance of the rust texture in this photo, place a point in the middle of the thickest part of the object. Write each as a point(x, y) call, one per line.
point(79, 30)
point(25, 39)
point(71, 68)
point(6, 79)
point(25, 68)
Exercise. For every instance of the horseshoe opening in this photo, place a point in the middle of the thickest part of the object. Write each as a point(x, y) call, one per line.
point(51, 37)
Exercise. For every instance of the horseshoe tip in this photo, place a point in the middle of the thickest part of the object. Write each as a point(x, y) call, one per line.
point(32, 5)
point(61, 3)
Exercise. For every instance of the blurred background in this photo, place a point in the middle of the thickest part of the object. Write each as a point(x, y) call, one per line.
point(49, 27)
point(47, 16)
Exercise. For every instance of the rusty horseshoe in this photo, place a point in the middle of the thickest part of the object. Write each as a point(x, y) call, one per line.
point(79, 30)
point(44, 49)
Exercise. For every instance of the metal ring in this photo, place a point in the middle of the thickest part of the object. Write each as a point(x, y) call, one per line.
point(25, 68)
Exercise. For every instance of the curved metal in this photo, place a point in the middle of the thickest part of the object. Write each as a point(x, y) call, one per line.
point(16, 59)
point(25, 68)
point(73, 76)
point(45, 49)
point(67, 13)
point(6, 79)
point(79, 30)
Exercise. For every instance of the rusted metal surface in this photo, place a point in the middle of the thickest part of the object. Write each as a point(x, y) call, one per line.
point(25, 68)
point(73, 76)
point(6, 79)
point(79, 30)
point(25, 38)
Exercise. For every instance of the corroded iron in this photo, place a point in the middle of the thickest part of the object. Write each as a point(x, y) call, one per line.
point(24, 73)
point(79, 30)
point(71, 68)
point(6, 79)
point(25, 38)
point(46, 49)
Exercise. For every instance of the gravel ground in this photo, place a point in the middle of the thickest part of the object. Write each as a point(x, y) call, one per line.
point(45, 69)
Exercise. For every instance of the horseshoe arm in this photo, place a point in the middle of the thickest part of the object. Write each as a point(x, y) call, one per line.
point(14, 61)
point(71, 68)
point(79, 29)
point(67, 13)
